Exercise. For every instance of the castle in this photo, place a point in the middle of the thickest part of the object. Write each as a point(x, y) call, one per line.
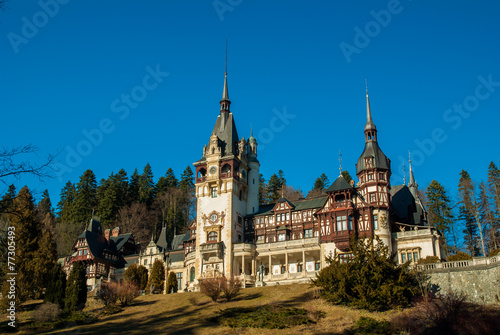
point(285, 242)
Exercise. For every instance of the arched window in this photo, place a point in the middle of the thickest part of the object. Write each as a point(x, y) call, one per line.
point(212, 236)
point(191, 278)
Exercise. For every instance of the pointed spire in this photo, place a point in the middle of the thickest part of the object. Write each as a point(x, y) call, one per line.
point(224, 103)
point(412, 178)
point(404, 174)
point(370, 129)
point(340, 163)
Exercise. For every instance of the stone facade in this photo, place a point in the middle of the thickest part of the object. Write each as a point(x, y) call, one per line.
point(478, 279)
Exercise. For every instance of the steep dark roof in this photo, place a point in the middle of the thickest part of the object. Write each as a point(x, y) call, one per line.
point(339, 184)
point(372, 149)
point(95, 226)
point(297, 205)
point(176, 257)
point(405, 207)
point(98, 244)
point(162, 240)
point(225, 129)
point(177, 240)
point(120, 240)
point(280, 200)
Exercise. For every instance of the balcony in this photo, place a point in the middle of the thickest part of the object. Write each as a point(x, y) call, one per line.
point(291, 244)
point(212, 247)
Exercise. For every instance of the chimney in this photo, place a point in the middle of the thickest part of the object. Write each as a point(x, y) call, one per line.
point(116, 231)
point(106, 233)
point(352, 183)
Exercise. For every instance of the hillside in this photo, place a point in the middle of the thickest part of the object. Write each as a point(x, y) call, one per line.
point(189, 313)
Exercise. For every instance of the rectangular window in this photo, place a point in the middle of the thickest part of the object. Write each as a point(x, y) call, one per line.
point(409, 256)
point(283, 269)
point(85, 251)
point(415, 256)
point(350, 222)
point(373, 198)
point(214, 192)
point(178, 275)
point(317, 266)
point(375, 222)
point(403, 258)
point(300, 268)
point(381, 176)
point(287, 216)
point(341, 222)
point(370, 176)
point(283, 217)
point(260, 238)
point(308, 233)
point(79, 252)
point(281, 237)
point(278, 218)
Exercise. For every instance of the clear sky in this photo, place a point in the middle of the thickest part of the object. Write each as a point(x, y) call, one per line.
point(143, 80)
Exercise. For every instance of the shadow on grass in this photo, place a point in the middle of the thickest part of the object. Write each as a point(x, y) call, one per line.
point(245, 297)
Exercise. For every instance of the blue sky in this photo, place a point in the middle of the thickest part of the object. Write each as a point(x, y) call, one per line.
point(67, 68)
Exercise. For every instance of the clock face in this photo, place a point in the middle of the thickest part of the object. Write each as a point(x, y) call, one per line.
point(213, 217)
point(213, 170)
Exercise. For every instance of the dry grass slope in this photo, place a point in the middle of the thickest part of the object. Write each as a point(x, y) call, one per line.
point(189, 313)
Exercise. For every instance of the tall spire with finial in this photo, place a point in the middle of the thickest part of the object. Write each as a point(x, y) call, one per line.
point(370, 129)
point(411, 183)
point(340, 163)
point(224, 103)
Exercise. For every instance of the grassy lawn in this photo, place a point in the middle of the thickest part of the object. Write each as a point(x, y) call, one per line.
point(193, 313)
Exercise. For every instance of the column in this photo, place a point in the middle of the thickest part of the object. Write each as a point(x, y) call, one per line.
point(270, 268)
point(243, 264)
point(253, 265)
point(286, 264)
point(303, 263)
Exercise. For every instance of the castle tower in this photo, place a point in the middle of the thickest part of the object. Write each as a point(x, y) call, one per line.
point(374, 171)
point(227, 185)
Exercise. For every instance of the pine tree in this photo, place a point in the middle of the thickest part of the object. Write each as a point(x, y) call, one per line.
point(263, 198)
point(493, 192)
point(186, 185)
point(325, 181)
point(112, 196)
point(137, 275)
point(171, 283)
point(7, 199)
point(275, 186)
point(133, 188)
point(66, 203)
point(346, 176)
point(45, 205)
point(28, 231)
point(167, 182)
point(44, 259)
point(146, 186)
point(486, 216)
point(76, 288)
point(56, 286)
point(466, 193)
point(86, 198)
point(439, 212)
point(157, 277)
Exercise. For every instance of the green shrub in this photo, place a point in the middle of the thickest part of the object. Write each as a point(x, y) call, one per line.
point(459, 256)
point(137, 275)
point(428, 260)
point(156, 281)
point(268, 316)
point(370, 326)
point(76, 288)
point(370, 280)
